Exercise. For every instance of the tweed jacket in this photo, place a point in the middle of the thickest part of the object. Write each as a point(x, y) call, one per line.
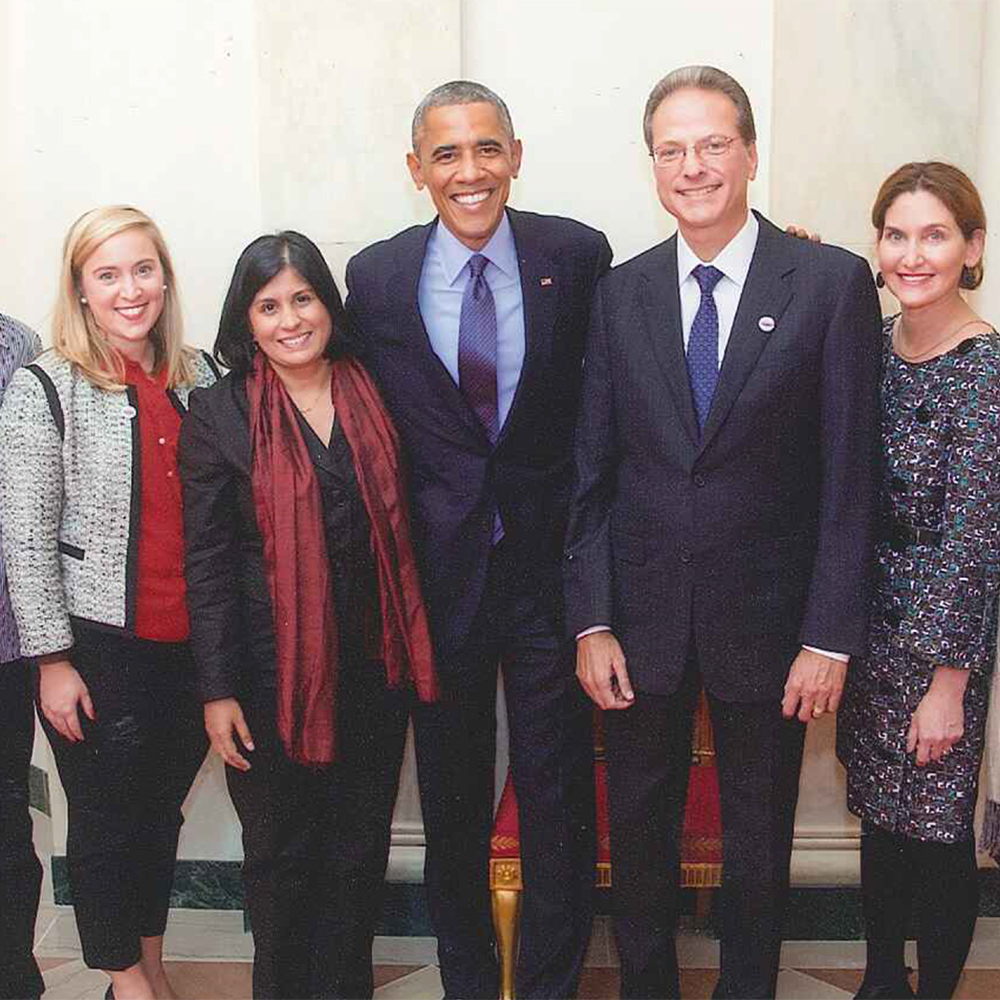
point(18, 346)
point(70, 499)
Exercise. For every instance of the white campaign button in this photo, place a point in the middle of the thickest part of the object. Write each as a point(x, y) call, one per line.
point(129, 411)
point(766, 323)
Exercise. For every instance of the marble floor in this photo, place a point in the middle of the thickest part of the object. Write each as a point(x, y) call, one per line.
point(197, 940)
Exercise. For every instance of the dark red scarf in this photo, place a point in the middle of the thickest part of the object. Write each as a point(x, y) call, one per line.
point(290, 516)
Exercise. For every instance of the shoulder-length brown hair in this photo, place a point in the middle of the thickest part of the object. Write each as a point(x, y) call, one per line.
point(76, 336)
point(952, 188)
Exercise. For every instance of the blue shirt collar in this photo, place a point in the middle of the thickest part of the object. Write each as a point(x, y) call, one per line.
point(454, 254)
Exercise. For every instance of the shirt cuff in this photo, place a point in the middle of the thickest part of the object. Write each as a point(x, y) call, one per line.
point(592, 630)
point(842, 657)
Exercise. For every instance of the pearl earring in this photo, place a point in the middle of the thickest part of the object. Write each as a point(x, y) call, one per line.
point(83, 300)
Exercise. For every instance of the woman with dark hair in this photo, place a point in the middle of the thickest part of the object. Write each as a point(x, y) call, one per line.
point(307, 624)
point(911, 725)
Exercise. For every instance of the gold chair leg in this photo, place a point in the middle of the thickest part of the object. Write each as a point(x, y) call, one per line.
point(506, 922)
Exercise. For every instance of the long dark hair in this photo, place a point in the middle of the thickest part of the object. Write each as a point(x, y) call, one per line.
point(261, 261)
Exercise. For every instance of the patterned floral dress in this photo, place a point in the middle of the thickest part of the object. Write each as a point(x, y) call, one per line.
point(935, 599)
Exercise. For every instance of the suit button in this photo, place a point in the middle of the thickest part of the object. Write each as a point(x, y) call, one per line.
point(923, 414)
point(899, 484)
point(892, 618)
point(685, 556)
point(699, 479)
point(569, 557)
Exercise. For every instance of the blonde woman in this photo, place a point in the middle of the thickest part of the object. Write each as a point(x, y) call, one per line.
point(90, 505)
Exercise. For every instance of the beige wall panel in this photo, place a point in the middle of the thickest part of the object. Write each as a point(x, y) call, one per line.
point(576, 78)
point(153, 106)
point(338, 85)
point(861, 87)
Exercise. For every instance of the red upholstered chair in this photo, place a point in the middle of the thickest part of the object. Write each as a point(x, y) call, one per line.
point(701, 842)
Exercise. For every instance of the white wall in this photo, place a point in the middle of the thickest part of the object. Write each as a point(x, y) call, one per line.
point(576, 77)
point(152, 105)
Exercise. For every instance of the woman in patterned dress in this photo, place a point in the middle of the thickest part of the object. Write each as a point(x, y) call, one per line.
point(911, 729)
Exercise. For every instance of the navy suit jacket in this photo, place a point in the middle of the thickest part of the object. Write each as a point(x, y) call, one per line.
point(756, 535)
point(457, 479)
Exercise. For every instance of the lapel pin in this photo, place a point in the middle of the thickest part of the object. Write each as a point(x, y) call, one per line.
point(128, 411)
point(766, 323)
point(545, 282)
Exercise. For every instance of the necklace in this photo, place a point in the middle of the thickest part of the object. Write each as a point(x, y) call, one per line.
point(319, 395)
point(929, 351)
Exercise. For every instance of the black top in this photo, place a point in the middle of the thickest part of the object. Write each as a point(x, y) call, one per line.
point(348, 537)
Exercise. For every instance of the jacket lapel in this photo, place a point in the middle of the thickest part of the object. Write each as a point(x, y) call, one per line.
point(766, 293)
point(540, 288)
point(406, 278)
point(661, 306)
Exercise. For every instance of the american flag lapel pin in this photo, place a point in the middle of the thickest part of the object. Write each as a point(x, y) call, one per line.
point(545, 282)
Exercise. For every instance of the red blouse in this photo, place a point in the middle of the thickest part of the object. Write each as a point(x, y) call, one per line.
point(160, 605)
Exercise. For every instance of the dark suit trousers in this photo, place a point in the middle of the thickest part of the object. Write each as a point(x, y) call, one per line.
point(759, 755)
point(20, 872)
point(551, 754)
point(316, 841)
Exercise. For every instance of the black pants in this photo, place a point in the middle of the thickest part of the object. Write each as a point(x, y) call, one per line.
point(316, 841)
point(941, 883)
point(20, 872)
point(551, 754)
point(759, 756)
point(125, 783)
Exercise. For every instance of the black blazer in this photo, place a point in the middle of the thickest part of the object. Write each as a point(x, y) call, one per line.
point(457, 479)
point(232, 633)
point(757, 535)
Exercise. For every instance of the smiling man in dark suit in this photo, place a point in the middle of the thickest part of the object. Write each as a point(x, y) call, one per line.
point(722, 527)
point(474, 327)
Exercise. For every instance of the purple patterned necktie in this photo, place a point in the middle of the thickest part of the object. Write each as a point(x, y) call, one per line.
point(703, 343)
point(477, 347)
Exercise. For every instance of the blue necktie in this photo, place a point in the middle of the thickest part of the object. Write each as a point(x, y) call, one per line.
point(703, 343)
point(477, 347)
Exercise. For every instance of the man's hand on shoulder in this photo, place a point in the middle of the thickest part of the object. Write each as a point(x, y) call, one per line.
point(803, 234)
point(814, 685)
point(600, 669)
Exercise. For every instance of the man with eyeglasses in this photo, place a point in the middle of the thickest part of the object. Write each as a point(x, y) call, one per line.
point(722, 527)
point(474, 326)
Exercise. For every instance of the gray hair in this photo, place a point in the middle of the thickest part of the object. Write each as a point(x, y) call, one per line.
point(701, 78)
point(459, 92)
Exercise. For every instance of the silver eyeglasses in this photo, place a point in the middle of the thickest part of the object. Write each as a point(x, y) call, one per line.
point(673, 153)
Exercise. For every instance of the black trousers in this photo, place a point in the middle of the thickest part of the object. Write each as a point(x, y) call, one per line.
point(20, 872)
point(759, 755)
point(551, 754)
point(316, 841)
point(125, 783)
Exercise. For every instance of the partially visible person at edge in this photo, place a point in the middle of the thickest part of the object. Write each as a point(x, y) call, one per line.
point(20, 872)
point(92, 531)
point(307, 622)
point(911, 727)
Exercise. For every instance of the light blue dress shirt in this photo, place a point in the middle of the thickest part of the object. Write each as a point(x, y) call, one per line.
point(442, 285)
